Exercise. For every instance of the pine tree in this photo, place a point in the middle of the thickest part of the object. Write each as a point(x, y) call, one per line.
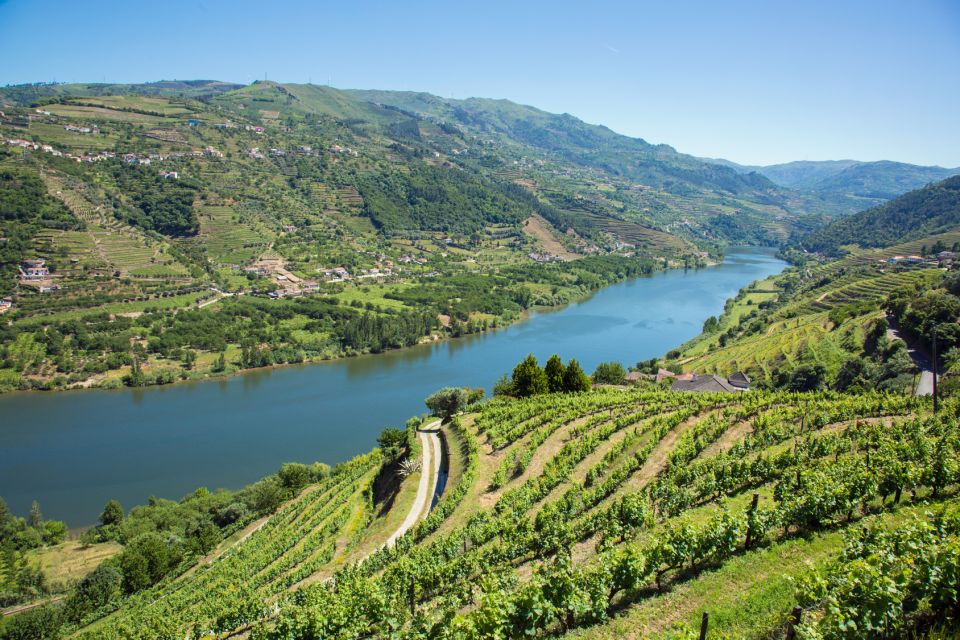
point(35, 519)
point(555, 371)
point(528, 378)
point(574, 379)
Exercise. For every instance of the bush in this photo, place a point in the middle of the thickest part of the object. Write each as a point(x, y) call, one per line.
point(609, 373)
point(447, 402)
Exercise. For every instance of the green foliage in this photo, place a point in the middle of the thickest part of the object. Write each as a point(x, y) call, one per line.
point(917, 214)
point(112, 514)
point(609, 373)
point(42, 623)
point(555, 371)
point(447, 402)
point(528, 378)
point(887, 582)
point(574, 379)
point(393, 442)
point(436, 199)
point(156, 204)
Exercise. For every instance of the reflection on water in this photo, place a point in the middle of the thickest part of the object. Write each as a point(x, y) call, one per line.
point(74, 451)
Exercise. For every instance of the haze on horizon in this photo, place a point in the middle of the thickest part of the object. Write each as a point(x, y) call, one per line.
point(752, 82)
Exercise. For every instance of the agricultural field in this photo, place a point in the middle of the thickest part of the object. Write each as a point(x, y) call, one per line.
point(815, 315)
point(232, 238)
point(612, 513)
point(104, 114)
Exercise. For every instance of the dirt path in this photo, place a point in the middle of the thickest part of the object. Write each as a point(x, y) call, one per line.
point(430, 468)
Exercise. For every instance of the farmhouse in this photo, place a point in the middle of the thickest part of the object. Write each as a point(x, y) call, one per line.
point(34, 270)
point(336, 274)
point(5, 305)
point(713, 383)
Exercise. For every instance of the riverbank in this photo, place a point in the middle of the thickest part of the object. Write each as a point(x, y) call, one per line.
point(151, 369)
point(74, 451)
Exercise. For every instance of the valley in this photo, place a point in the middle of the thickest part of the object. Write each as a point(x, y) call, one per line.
point(729, 429)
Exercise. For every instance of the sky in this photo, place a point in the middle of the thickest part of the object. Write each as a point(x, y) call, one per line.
point(759, 82)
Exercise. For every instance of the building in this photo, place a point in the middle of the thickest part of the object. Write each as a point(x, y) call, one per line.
point(169, 175)
point(664, 374)
point(5, 305)
point(704, 384)
point(336, 274)
point(34, 270)
point(947, 255)
point(738, 381)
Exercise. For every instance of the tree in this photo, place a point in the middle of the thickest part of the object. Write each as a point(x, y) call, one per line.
point(54, 532)
point(294, 475)
point(554, 370)
point(42, 623)
point(221, 362)
point(503, 387)
point(447, 402)
point(35, 519)
point(711, 324)
point(528, 378)
point(189, 358)
point(112, 514)
point(574, 379)
point(97, 589)
point(609, 373)
point(806, 377)
point(393, 442)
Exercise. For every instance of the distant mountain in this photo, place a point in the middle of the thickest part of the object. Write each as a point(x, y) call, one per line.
point(582, 177)
point(576, 141)
point(847, 182)
point(27, 93)
point(923, 212)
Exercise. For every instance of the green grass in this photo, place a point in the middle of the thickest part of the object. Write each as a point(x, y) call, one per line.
point(373, 293)
point(173, 302)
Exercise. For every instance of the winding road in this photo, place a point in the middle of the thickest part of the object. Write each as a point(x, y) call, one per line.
point(429, 472)
point(925, 383)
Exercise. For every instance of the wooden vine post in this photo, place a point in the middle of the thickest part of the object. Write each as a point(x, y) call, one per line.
point(750, 514)
point(704, 623)
point(794, 621)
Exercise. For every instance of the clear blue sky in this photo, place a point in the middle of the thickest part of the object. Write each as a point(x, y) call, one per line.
point(756, 82)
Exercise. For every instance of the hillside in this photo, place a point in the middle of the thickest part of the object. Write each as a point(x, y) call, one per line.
point(849, 185)
point(927, 211)
point(179, 211)
point(827, 325)
point(354, 224)
point(597, 514)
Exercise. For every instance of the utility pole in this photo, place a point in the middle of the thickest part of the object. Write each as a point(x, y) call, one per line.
point(935, 403)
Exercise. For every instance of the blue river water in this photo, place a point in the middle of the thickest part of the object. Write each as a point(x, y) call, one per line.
point(73, 451)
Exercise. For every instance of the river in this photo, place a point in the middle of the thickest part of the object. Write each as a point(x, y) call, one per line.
point(73, 451)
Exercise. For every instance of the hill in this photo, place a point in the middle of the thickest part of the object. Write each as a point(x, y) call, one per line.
point(848, 185)
point(932, 209)
point(596, 515)
point(358, 221)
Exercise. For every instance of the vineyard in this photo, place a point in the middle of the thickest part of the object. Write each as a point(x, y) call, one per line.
point(612, 513)
point(817, 314)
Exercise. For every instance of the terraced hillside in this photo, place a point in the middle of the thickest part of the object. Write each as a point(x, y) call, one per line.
point(816, 315)
point(615, 512)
